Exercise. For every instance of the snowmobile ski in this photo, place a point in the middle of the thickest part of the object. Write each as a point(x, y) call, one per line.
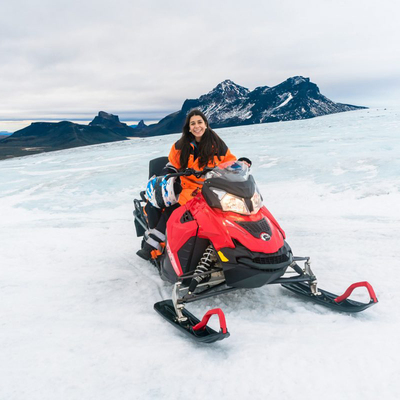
point(192, 326)
point(333, 301)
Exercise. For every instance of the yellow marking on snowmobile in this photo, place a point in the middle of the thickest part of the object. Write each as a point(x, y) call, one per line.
point(222, 257)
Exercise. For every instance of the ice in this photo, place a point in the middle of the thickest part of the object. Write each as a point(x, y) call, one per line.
point(76, 303)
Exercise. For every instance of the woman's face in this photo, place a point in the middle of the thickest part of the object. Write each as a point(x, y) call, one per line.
point(197, 127)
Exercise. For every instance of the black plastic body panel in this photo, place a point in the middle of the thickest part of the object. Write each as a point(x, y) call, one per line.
point(189, 256)
point(247, 269)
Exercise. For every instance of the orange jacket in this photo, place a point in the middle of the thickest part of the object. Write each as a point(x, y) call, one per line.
point(190, 184)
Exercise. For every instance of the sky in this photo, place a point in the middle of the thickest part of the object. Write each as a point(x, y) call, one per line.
point(142, 59)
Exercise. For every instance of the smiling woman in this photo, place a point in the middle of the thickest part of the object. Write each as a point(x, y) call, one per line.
point(199, 147)
point(197, 127)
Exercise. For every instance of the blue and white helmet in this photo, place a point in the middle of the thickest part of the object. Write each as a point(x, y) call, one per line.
point(160, 191)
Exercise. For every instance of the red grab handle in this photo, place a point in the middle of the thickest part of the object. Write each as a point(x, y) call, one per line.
point(202, 324)
point(350, 289)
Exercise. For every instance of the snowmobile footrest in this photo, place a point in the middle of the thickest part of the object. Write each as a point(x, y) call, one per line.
point(338, 303)
point(193, 327)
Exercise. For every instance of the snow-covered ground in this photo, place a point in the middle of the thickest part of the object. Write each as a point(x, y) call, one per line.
point(76, 303)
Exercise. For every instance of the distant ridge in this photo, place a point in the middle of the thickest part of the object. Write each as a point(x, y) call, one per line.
point(4, 134)
point(229, 104)
point(41, 137)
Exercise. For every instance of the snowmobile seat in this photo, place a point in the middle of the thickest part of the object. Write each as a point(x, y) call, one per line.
point(148, 214)
point(157, 165)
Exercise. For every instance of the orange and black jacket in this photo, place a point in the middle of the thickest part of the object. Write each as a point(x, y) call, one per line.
point(190, 184)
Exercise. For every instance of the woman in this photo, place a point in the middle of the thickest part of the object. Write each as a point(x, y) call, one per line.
point(198, 147)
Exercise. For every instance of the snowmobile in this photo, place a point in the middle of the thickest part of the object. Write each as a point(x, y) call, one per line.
point(225, 239)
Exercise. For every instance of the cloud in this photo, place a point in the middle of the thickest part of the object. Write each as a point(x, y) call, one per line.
point(148, 56)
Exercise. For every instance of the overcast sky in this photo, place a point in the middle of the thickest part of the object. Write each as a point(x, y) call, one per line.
point(142, 59)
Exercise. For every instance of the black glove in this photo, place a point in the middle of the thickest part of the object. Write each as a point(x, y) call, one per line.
point(246, 160)
point(177, 186)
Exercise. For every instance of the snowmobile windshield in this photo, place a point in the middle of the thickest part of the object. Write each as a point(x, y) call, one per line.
point(232, 171)
point(231, 187)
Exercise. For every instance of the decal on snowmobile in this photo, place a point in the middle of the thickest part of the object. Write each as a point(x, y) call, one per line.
point(265, 236)
point(174, 263)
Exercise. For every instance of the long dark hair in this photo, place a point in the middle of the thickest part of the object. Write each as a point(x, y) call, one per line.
point(208, 147)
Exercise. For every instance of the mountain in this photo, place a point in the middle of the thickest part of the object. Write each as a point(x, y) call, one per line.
point(49, 136)
point(112, 123)
point(140, 125)
point(296, 98)
point(4, 134)
point(229, 104)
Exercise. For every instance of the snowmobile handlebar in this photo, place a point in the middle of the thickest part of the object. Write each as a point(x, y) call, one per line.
point(198, 174)
point(189, 172)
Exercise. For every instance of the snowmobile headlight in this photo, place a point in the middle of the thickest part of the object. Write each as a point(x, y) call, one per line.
point(234, 204)
point(256, 200)
point(220, 193)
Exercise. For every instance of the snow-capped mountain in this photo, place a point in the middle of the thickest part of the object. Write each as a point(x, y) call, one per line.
point(226, 102)
point(296, 98)
point(229, 104)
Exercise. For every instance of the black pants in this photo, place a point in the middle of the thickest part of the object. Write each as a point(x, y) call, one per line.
point(158, 223)
point(162, 223)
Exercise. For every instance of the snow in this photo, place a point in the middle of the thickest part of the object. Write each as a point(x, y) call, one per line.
point(76, 303)
point(290, 97)
point(297, 80)
point(220, 112)
point(229, 86)
point(286, 97)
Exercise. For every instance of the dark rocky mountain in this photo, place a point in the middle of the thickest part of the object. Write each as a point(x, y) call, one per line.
point(49, 136)
point(4, 134)
point(296, 98)
point(229, 104)
point(139, 126)
point(112, 123)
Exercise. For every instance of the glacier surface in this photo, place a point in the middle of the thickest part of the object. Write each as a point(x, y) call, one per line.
point(76, 303)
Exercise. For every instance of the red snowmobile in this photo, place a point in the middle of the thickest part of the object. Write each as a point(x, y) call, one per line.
point(224, 239)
